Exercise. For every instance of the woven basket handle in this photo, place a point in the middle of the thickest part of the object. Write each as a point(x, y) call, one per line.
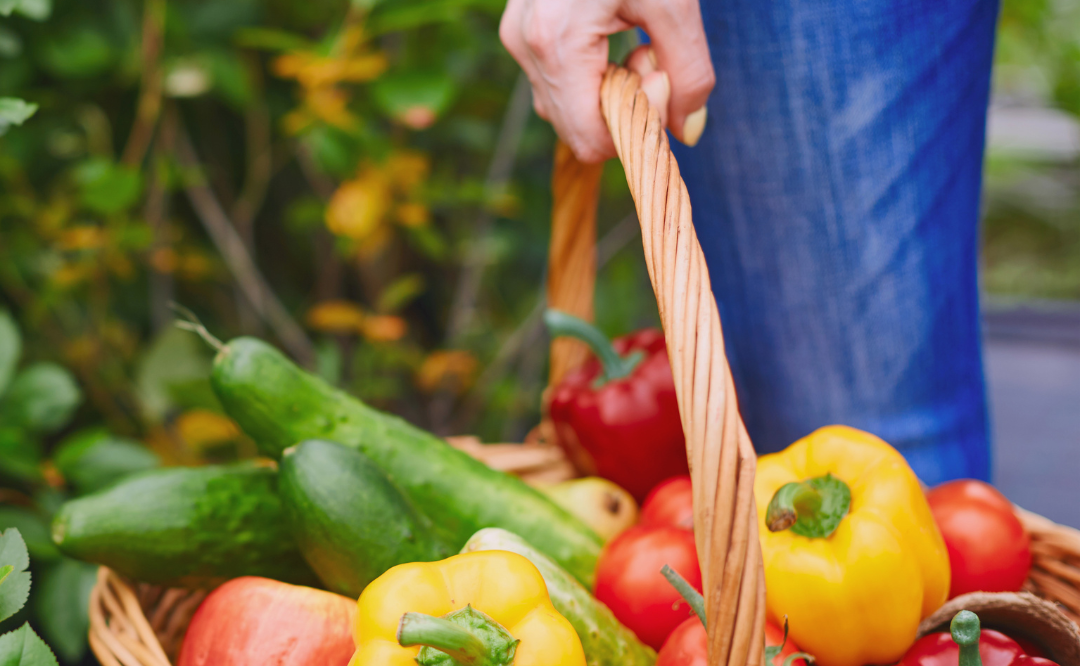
point(722, 459)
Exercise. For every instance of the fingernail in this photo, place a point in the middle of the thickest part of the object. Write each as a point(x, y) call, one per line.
point(657, 87)
point(652, 58)
point(694, 126)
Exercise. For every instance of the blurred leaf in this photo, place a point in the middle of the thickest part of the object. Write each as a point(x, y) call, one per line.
point(415, 99)
point(20, 457)
point(335, 151)
point(401, 16)
point(62, 600)
point(15, 587)
point(23, 647)
point(270, 39)
point(401, 292)
point(93, 459)
point(173, 357)
point(230, 78)
point(305, 214)
point(34, 530)
point(10, 349)
point(42, 398)
point(38, 10)
point(107, 187)
point(14, 111)
point(10, 43)
point(78, 52)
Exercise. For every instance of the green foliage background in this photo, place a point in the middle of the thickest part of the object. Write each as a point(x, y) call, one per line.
point(363, 183)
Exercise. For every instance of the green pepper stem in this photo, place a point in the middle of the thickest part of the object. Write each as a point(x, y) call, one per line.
point(687, 591)
point(965, 633)
point(789, 503)
point(560, 323)
point(461, 644)
point(812, 508)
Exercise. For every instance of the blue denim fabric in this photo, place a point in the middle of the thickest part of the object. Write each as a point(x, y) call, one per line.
point(836, 195)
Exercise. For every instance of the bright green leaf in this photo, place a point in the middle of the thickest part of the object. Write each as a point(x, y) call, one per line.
point(5, 571)
point(10, 348)
point(34, 530)
point(42, 398)
point(20, 454)
point(61, 601)
point(16, 586)
point(107, 187)
point(93, 459)
point(14, 111)
point(23, 647)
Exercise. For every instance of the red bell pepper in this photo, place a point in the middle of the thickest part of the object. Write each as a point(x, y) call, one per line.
point(618, 413)
point(966, 645)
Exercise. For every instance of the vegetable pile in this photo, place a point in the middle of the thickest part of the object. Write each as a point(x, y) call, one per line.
point(454, 563)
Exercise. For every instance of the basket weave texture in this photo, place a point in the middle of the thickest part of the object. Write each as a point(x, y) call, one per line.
point(133, 624)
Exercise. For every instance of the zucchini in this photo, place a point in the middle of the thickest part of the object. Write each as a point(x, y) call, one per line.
point(278, 405)
point(607, 642)
point(350, 522)
point(186, 526)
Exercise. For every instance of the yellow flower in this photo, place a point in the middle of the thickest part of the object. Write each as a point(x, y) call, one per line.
point(359, 206)
point(383, 328)
point(407, 169)
point(413, 215)
point(337, 317)
point(447, 370)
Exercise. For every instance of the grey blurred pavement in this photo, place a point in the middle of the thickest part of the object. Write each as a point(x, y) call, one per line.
point(1032, 356)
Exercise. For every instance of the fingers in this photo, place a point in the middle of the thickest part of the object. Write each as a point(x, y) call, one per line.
point(655, 83)
point(680, 49)
point(562, 46)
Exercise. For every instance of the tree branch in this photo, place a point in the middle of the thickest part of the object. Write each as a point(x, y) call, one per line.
point(237, 258)
point(463, 308)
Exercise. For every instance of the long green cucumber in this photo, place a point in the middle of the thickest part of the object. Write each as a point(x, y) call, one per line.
point(607, 642)
point(186, 526)
point(350, 522)
point(278, 405)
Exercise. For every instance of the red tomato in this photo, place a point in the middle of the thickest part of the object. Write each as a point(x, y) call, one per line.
point(629, 581)
point(989, 550)
point(670, 503)
point(995, 648)
point(688, 645)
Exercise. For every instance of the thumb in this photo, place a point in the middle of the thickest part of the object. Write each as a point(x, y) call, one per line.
point(682, 50)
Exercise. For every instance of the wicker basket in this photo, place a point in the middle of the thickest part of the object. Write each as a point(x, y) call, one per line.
point(139, 625)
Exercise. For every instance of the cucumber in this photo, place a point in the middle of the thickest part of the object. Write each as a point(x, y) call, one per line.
point(190, 527)
point(278, 405)
point(606, 641)
point(350, 522)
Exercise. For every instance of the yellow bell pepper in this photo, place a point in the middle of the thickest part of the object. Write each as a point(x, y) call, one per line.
point(488, 608)
point(852, 555)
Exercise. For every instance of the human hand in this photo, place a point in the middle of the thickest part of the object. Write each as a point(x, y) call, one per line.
point(562, 46)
